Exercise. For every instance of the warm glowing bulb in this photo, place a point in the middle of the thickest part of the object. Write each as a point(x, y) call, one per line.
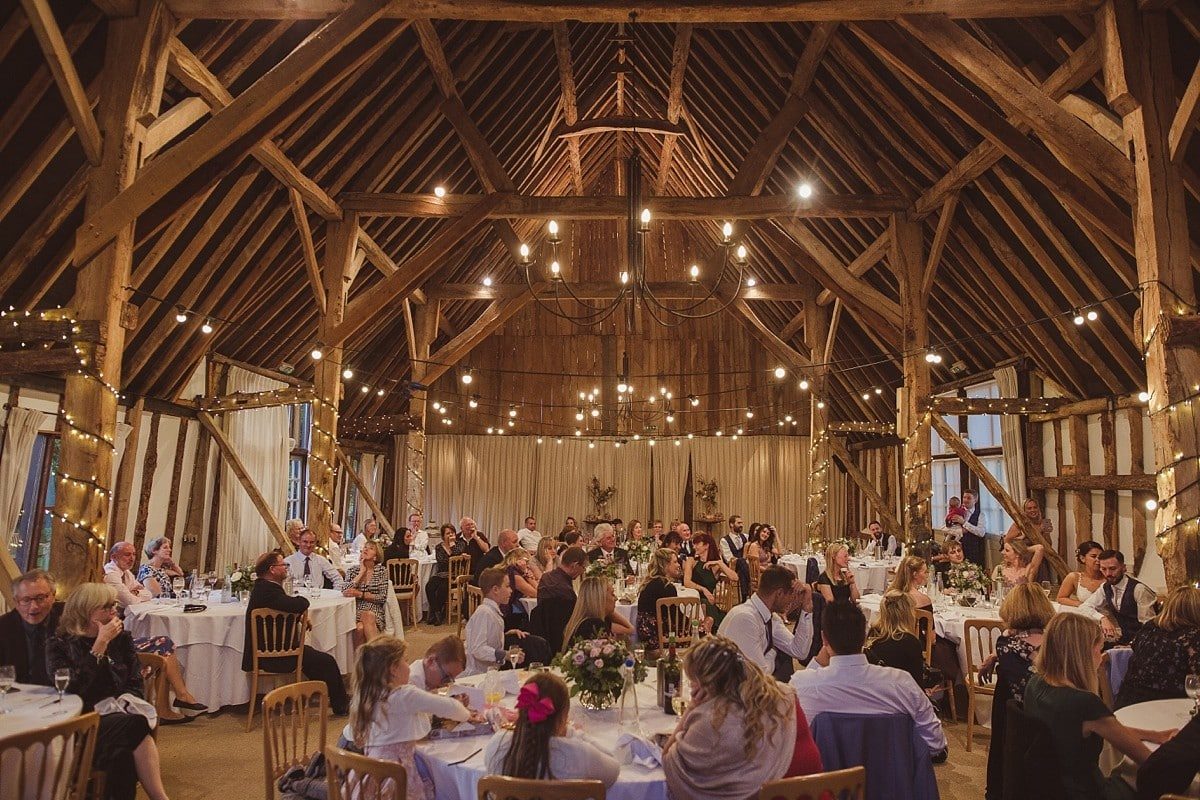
point(552, 227)
point(670, 418)
point(645, 216)
point(487, 280)
point(467, 377)
point(1144, 397)
point(694, 271)
point(555, 268)
point(539, 440)
point(591, 445)
point(439, 191)
point(180, 317)
point(803, 385)
point(511, 423)
point(1151, 504)
point(379, 392)
point(750, 282)
point(749, 414)
point(364, 389)
point(595, 412)
point(1078, 319)
point(316, 354)
point(1092, 315)
point(512, 411)
point(820, 404)
point(741, 252)
point(579, 415)
point(207, 327)
point(347, 373)
point(437, 406)
point(727, 230)
point(780, 372)
point(624, 277)
point(473, 403)
point(524, 250)
point(805, 190)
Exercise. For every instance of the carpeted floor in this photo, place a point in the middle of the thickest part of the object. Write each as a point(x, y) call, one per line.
point(214, 758)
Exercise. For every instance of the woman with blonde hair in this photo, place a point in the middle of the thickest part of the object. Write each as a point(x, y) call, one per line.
point(892, 640)
point(661, 573)
point(912, 574)
point(837, 582)
point(523, 584)
point(1165, 651)
point(94, 646)
point(546, 558)
point(388, 715)
point(595, 615)
point(1021, 562)
point(367, 583)
point(741, 728)
point(1063, 696)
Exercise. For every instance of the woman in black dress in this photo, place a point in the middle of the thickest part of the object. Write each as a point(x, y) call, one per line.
point(93, 644)
point(1165, 651)
point(664, 570)
point(437, 588)
point(837, 582)
point(893, 642)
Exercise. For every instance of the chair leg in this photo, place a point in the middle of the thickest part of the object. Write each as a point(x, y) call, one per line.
point(970, 717)
point(253, 700)
point(949, 687)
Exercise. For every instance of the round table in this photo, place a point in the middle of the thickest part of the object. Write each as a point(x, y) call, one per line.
point(31, 707)
point(456, 780)
point(1153, 715)
point(870, 574)
point(209, 644)
point(627, 609)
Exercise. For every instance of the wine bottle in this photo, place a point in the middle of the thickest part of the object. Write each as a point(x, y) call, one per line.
point(670, 677)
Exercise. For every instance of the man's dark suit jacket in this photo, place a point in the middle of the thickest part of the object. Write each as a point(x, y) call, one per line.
point(492, 558)
point(268, 594)
point(13, 649)
point(620, 556)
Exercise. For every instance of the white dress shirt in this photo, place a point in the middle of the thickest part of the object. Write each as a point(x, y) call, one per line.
point(979, 530)
point(129, 590)
point(334, 548)
point(727, 551)
point(407, 715)
point(484, 638)
point(849, 685)
point(1143, 594)
point(318, 567)
point(746, 625)
point(529, 539)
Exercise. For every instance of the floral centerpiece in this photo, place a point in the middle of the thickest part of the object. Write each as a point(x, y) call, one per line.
point(640, 550)
point(592, 667)
point(967, 578)
point(601, 496)
point(706, 490)
point(601, 568)
point(241, 580)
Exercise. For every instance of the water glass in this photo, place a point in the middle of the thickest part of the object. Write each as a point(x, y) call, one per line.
point(177, 585)
point(1191, 687)
point(62, 679)
point(8, 676)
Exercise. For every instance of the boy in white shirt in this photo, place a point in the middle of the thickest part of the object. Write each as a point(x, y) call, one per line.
point(485, 634)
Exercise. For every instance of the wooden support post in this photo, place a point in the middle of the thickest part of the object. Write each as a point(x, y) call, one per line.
point(908, 262)
point(1137, 465)
point(817, 329)
point(1139, 82)
point(955, 443)
point(880, 507)
point(1108, 446)
point(327, 380)
point(425, 326)
point(225, 447)
point(365, 492)
point(124, 487)
point(1081, 501)
point(193, 521)
point(176, 480)
point(149, 467)
point(134, 49)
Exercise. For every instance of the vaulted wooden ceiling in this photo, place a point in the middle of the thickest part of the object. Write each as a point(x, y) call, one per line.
point(1027, 225)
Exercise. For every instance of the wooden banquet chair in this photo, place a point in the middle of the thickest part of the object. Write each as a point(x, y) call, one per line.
point(351, 776)
point(154, 684)
point(927, 631)
point(501, 787)
point(274, 634)
point(755, 573)
point(460, 568)
point(294, 722)
point(474, 598)
point(675, 615)
point(979, 639)
point(726, 595)
point(69, 743)
point(842, 784)
point(404, 574)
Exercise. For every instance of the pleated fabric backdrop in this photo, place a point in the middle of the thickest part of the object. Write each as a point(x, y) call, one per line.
point(498, 480)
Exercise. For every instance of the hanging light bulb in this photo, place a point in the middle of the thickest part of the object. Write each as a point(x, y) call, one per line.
point(694, 400)
point(739, 430)
point(591, 444)
point(1143, 397)
point(379, 392)
point(878, 390)
point(473, 402)
point(558, 440)
point(347, 373)
point(1078, 319)
point(652, 443)
point(637, 436)
point(364, 388)
point(749, 414)
point(595, 411)
point(622, 386)
point(512, 411)
point(691, 435)
point(539, 440)
point(491, 430)
point(555, 269)
point(439, 191)
point(645, 218)
point(1151, 504)
point(805, 190)
point(677, 443)
point(552, 229)
point(467, 377)
point(780, 373)
point(180, 315)
point(670, 417)
point(718, 433)
point(866, 396)
point(487, 280)
point(524, 251)
point(803, 385)
point(750, 282)
point(820, 404)
point(207, 327)
point(317, 354)
point(741, 252)
point(1092, 315)
point(624, 277)
point(512, 422)
point(579, 415)
point(617, 443)
point(578, 432)
point(437, 406)
point(694, 272)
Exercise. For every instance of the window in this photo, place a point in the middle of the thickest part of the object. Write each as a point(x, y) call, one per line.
point(946, 480)
point(981, 432)
point(992, 514)
point(937, 446)
point(300, 425)
point(29, 543)
point(351, 521)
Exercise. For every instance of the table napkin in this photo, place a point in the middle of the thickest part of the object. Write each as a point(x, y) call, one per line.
point(633, 749)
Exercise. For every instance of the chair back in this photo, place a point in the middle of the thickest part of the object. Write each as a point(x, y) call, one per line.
point(393, 620)
point(52, 762)
point(501, 787)
point(675, 615)
point(979, 640)
point(883, 744)
point(474, 598)
point(154, 678)
point(403, 573)
point(726, 595)
point(842, 784)
point(927, 633)
point(460, 567)
point(454, 601)
point(1031, 767)
point(1113, 666)
point(350, 776)
point(755, 573)
point(812, 571)
point(294, 721)
point(277, 634)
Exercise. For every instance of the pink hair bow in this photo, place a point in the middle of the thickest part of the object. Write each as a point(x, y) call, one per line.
point(536, 707)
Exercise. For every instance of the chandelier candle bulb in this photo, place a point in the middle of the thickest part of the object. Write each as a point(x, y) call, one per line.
point(694, 272)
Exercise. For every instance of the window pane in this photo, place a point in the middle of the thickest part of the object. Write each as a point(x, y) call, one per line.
point(990, 509)
point(51, 494)
point(983, 430)
point(296, 495)
point(20, 541)
point(946, 479)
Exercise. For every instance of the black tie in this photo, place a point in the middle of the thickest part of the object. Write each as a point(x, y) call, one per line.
point(770, 636)
point(37, 658)
point(307, 570)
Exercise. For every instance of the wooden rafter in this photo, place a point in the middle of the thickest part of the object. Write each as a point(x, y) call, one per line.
point(570, 108)
point(940, 236)
point(864, 484)
point(679, 59)
point(790, 357)
point(608, 290)
point(300, 215)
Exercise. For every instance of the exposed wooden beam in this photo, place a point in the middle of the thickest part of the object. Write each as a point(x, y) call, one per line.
point(252, 116)
point(18, 362)
point(177, 119)
point(1085, 151)
point(608, 290)
point(613, 207)
point(1005, 405)
point(1094, 483)
point(33, 329)
point(617, 124)
point(452, 352)
point(1184, 123)
point(244, 401)
point(679, 59)
point(58, 56)
point(697, 11)
point(790, 357)
point(794, 326)
point(838, 448)
point(861, 265)
point(876, 428)
point(364, 492)
point(940, 236)
point(570, 106)
point(907, 261)
point(307, 249)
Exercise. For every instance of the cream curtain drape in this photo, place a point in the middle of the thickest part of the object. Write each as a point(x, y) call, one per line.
point(487, 478)
point(565, 470)
point(670, 484)
point(1010, 436)
point(21, 430)
point(261, 439)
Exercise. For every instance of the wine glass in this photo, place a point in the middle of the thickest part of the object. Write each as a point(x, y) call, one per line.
point(62, 679)
point(1191, 687)
point(177, 585)
point(493, 691)
point(1046, 587)
point(8, 676)
point(515, 655)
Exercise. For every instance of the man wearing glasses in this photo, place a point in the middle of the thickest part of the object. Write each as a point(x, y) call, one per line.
point(24, 630)
point(268, 592)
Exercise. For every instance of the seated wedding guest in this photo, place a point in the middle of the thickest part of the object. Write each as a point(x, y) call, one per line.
point(1033, 513)
point(370, 532)
point(1079, 586)
point(607, 550)
point(268, 593)
point(1173, 767)
point(400, 546)
point(912, 574)
point(764, 545)
point(157, 573)
point(733, 553)
point(556, 596)
point(389, 715)
point(952, 555)
point(892, 640)
point(307, 564)
point(25, 630)
point(437, 588)
point(568, 537)
point(702, 573)
point(420, 535)
point(545, 560)
point(1123, 603)
point(874, 535)
point(686, 548)
point(523, 584)
point(1025, 613)
point(475, 544)
point(840, 679)
point(333, 547)
point(656, 530)
point(118, 573)
point(442, 663)
point(367, 583)
point(292, 529)
point(664, 569)
point(529, 536)
point(1165, 651)
point(93, 644)
point(595, 615)
point(1063, 695)
point(636, 532)
point(673, 542)
point(1020, 563)
point(747, 624)
point(838, 581)
point(542, 746)
point(570, 524)
point(741, 729)
point(506, 542)
point(487, 641)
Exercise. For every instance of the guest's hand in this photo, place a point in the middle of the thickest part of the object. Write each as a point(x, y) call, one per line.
point(698, 696)
point(1159, 737)
point(822, 657)
point(987, 669)
point(710, 564)
point(517, 632)
point(850, 577)
point(803, 598)
point(110, 630)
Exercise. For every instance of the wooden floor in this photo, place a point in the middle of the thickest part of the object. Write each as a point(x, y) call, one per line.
point(213, 758)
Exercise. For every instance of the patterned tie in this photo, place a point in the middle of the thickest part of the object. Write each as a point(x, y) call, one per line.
point(307, 569)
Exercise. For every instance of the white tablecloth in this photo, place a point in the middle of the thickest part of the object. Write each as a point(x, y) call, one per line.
point(31, 707)
point(209, 644)
point(454, 781)
point(870, 574)
point(1153, 715)
point(628, 610)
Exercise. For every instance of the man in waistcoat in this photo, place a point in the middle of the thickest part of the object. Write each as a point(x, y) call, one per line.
point(1122, 599)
